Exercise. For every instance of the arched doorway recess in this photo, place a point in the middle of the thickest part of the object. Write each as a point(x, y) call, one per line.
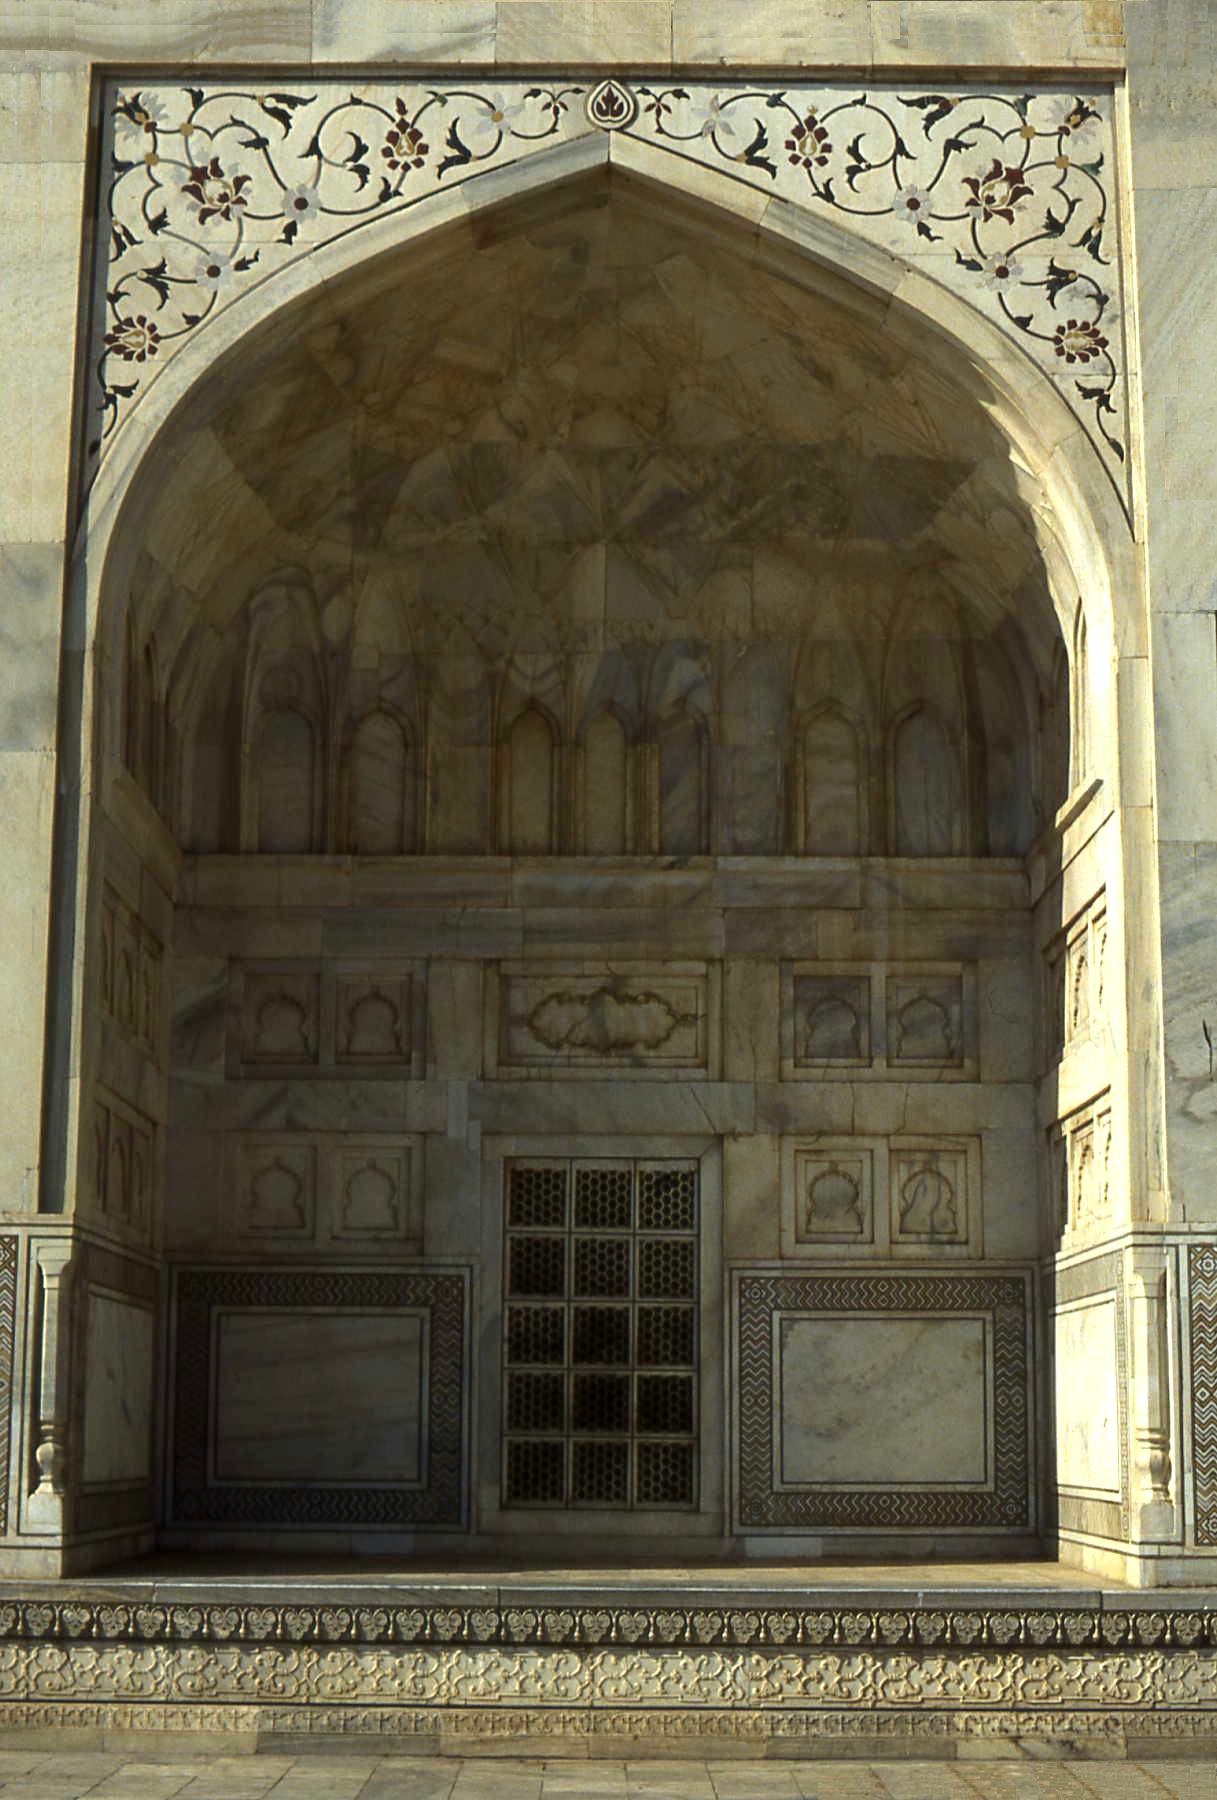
point(583, 717)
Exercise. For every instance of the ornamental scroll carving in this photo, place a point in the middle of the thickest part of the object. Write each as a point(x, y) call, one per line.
point(1007, 197)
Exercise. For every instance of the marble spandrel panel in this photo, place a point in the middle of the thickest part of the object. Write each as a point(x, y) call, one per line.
point(1007, 195)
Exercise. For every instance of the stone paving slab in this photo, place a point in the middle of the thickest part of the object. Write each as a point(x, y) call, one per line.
point(45, 1775)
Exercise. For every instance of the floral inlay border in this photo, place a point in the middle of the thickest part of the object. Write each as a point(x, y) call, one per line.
point(1005, 196)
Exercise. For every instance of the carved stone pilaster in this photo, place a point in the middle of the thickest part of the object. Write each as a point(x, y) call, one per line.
point(1154, 1509)
point(44, 1511)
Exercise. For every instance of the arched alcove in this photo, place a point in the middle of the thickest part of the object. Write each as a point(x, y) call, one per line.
point(668, 617)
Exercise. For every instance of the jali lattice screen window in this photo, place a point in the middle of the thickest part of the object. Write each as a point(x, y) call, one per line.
point(600, 1321)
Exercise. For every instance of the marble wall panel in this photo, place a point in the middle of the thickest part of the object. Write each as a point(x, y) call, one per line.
point(848, 1021)
point(881, 1196)
point(880, 1336)
point(374, 1423)
point(583, 1019)
point(1087, 1404)
point(310, 1396)
point(1202, 1358)
point(119, 1391)
point(1097, 1282)
point(328, 1019)
point(894, 1403)
point(308, 1191)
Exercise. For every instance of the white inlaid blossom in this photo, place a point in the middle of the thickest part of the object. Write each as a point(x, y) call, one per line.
point(301, 202)
point(912, 204)
point(481, 127)
point(1001, 271)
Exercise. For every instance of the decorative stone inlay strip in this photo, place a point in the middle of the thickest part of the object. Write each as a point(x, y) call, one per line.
point(806, 1683)
point(1202, 1273)
point(8, 1329)
point(1005, 196)
point(838, 1631)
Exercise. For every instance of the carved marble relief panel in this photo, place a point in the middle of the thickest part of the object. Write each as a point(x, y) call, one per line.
point(880, 1401)
point(293, 1019)
point(873, 1196)
point(311, 1191)
point(1075, 982)
point(317, 1398)
point(912, 1021)
point(1080, 1168)
point(585, 1019)
point(132, 959)
point(124, 1152)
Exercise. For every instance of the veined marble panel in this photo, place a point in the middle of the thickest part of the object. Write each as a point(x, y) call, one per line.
point(118, 1391)
point(301, 1020)
point(882, 1196)
point(318, 1396)
point(892, 1403)
point(906, 1396)
point(1087, 1402)
point(310, 1397)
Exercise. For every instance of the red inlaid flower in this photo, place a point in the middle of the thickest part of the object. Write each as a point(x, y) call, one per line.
point(215, 193)
point(809, 143)
point(404, 147)
point(1078, 340)
point(995, 195)
point(135, 340)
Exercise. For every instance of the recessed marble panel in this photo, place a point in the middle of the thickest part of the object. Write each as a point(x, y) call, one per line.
point(317, 1396)
point(118, 1391)
point(585, 1020)
point(1087, 1404)
point(372, 1022)
point(280, 1024)
point(929, 1193)
point(881, 1398)
point(832, 1020)
point(371, 1192)
point(925, 1021)
point(833, 1197)
point(897, 1401)
point(275, 1188)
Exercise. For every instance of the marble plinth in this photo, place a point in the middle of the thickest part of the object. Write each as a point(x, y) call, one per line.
point(777, 1661)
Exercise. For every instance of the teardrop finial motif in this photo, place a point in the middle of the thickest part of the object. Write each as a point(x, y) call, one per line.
point(611, 106)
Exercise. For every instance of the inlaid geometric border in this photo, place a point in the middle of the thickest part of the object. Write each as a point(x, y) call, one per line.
point(1202, 1337)
point(207, 188)
point(8, 1332)
point(1004, 1298)
point(440, 1502)
point(1085, 1281)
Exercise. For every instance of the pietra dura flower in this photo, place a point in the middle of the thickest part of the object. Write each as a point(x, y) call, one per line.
point(404, 147)
point(995, 195)
point(1079, 340)
point(214, 272)
point(214, 192)
point(1001, 271)
point(809, 143)
point(301, 202)
point(912, 204)
point(135, 339)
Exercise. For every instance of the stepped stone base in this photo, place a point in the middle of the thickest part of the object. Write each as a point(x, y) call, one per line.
point(636, 1664)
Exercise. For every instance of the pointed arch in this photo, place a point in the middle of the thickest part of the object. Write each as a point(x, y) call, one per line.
point(380, 786)
point(528, 767)
point(606, 801)
point(830, 784)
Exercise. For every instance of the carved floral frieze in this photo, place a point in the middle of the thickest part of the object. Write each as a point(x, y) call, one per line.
point(1006, 196)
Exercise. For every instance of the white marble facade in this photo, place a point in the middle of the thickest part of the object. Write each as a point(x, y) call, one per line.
point(627, 937)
